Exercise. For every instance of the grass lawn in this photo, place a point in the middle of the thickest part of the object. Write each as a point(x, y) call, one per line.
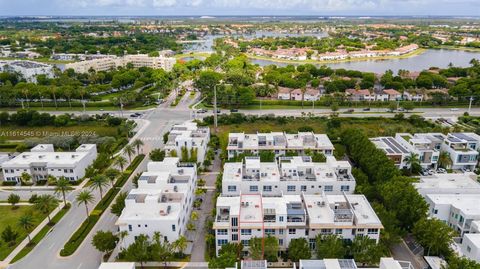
point(22, 132)
point(10, 217)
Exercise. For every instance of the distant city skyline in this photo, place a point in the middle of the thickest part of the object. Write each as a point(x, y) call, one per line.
point(241, 7)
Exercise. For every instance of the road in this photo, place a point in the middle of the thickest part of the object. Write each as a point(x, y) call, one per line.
point(46, 254)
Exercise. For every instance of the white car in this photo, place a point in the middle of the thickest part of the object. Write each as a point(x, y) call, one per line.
point(453, 109)
point(441, 171)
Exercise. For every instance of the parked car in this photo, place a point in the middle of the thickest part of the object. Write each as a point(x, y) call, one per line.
point(233, 110)
point(366, 109)
point(133, 115)
point(201, 111)
point(441, 171)
point(350, 110)
point(453, 109)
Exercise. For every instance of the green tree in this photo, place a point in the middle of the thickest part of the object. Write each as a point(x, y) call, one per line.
point(456, 262)
point(408, 106)
point(271, 248)
point(26, 223)
point(99, 182)
point(267, 156)
point(255, 248)
point(119, 204)
point(139, 250)
point(129, 150)
point(161, 250)
point(434, 235)
point(157, 155)
point(330, 247)
point(120, 161)
point(413, 162)
point(366, 250)
point(85, 197)
point(180, 245)
point(444, 160)
point(112, 174)
point(392, 106)
point(9, 235)
point(137, 143)
point(25, 178)
point(45, 203)
point(13, 199)
point(62, 187)
point(105, 241)
point(299, 249)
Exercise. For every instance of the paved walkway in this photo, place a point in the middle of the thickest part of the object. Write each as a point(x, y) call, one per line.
point(401, 252)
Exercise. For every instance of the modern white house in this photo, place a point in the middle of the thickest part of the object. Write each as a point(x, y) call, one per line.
point(29, 70)
point(279, 143)
point(457, 210)
point(470, 246)
point(452, 183)
point(288, 217)
point(42, 161)
point(463, 149)
point(288, 175)
point(393, 149)
point(190, 137)
point(425, 146)
point(162, 202)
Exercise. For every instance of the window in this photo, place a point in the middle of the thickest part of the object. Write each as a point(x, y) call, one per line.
point(372, 231)
point(469, 249)
point(253, 188)
point(312, 243)
point(245, 243)
point(173, 227)
point(280, 219)
point(303, 188)
point(235, 237)
point(435, 211)
point(326, 231)
point(280, 242)
point(338, 231)
point(292, 231)
point(270, 231)
point(234, 222)
point(280, 231)
point(328, 188)
point(290, 188)
point(267, 188)
point(246, 231)
point(232, 188)
point(221, 242)
point(222, 232)
point(344, 188)
point(360, 230)
point(129, 228)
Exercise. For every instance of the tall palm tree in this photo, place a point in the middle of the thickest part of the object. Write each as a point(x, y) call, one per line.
point(99, 182)
point(412, 160)
point(62, 187)
point(120, 161)
point(444, 159)
point(26, 223)
point(46, 203)
point(130, 150)
point(84, 197)
point(112, 174)
point(122, 236)
point(137, 143)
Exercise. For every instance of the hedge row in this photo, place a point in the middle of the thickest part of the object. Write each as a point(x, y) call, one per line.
point(77, 238)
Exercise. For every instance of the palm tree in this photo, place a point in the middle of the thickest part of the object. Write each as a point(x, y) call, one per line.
point(412, 160)
point(130, 151)
point(180, 244)
point(62, 187)
point(122, 236)
point(26, 223)
point(84, 197)
point(45, 204)
point(444, 159)
point(194, 216)
point(120, 161)
point(99, 182)
point(137, 143)
point(112, 173)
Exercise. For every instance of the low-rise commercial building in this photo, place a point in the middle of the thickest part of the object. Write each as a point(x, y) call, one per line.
point(288, 175)
point(42, 161)
point(279, 143)
point(190, 137)
point(29, 70)
point(162, 202)
point(288, 217)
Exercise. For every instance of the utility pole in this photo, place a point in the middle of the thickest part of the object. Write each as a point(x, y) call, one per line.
point(470, 104)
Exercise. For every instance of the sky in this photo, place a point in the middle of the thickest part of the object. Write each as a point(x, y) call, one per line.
point(240, 7)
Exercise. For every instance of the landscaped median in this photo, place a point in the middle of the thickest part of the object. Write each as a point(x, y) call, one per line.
point(45, 230)
point(77, 238)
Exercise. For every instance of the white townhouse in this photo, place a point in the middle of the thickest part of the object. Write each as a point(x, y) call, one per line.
point(385, 263)
point(42, 161)
point(288, 217)
point(162, 202)
point(279, 143)
point(452, 183)
point(393, 149)
point(284, 93)
point(188, 135)
point(457, 210)
point(463, 149)
point(288, 175)
point(426, 146)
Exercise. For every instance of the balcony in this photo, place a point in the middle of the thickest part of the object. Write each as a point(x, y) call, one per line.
point(296, 219)
point(343, 215)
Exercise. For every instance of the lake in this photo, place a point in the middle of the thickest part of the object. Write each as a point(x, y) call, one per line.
point(431, 58)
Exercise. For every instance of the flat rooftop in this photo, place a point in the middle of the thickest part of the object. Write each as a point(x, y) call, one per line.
point(448, 183)
point(467, 203)
point(390, 145)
